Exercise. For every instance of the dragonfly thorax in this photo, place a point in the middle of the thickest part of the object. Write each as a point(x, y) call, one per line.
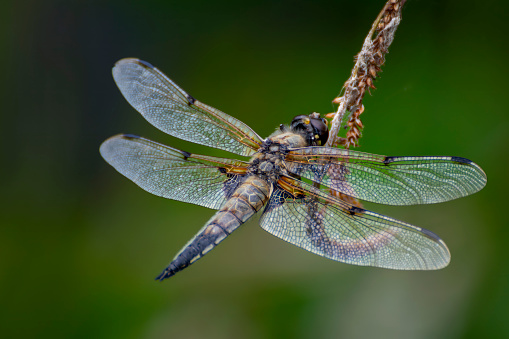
point(267, 162)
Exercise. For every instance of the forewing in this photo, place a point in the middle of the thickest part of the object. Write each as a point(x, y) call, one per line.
point(306, 217)
point(173, 111)
point(388, 180)
point(174, 174)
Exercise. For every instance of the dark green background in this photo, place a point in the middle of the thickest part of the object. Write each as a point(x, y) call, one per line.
point(80, 245)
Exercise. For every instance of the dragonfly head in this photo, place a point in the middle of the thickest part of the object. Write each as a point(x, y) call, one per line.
point(313, 127)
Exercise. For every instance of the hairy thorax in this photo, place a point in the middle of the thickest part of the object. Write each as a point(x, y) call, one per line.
point(268, 162)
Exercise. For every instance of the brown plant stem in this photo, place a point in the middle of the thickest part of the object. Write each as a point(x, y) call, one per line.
point(365, 71)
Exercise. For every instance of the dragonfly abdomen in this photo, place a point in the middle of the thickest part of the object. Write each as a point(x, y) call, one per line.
point(247, 199)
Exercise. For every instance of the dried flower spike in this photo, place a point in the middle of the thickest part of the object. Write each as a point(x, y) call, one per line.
point(365, 71)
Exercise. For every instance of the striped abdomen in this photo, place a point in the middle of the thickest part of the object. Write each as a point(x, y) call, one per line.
point(247, 199)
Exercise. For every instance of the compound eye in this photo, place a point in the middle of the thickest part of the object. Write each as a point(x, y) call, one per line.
point(301, 122)
point(321, 131)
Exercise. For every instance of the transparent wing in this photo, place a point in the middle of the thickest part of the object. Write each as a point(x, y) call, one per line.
point(173, 111)
point(174, 174)
point(388, 180)
point(306, 217)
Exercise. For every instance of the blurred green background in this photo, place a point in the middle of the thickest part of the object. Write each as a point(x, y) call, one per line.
point(80, 245)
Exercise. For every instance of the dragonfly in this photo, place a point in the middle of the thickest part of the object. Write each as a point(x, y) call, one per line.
point(307, 191)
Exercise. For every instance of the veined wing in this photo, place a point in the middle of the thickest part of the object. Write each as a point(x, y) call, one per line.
point(173, 111)
point(388, 180)
point(174, 174)
point(308, 218)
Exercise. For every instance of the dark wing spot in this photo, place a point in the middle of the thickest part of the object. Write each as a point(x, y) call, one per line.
point(298, 196)
point(355, 210)
point(388, 160)
point(185, 154)
point(461, 160)
point(130, 136)
point(222, 170)
point(146, 64)
point(190, 99)
point(430, 234)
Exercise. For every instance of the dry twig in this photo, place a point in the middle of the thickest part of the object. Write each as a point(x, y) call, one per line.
point(365, 71)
